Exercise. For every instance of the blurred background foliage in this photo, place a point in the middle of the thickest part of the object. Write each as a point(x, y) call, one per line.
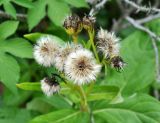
point(20, 17)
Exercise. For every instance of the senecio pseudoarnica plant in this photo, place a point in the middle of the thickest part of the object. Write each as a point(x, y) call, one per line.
point(77, 65)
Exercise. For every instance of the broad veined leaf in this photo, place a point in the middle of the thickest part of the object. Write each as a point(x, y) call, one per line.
point(18, 47)
point(14, 116)
point(34, 16)
point(9, 8)
point(63, 116)
point(57, 11)
point(32, 86)
point(24, 3)
point(139, 73)
point(8, 28)
point(136, 109)
point(77, 3)
point(9, 72)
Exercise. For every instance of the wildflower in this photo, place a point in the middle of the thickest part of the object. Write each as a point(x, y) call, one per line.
point(108, 43)
point(73, 25)
point(45, 51)
point(80, 67)
point(49, 86)
point(117, 63)
point(63, 54)
point(88, 22)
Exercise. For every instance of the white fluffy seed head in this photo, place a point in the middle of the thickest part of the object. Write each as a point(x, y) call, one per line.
point(81, 67)
point(49, 88)
point(45, 51)
point(108, 43)
point(63, 54)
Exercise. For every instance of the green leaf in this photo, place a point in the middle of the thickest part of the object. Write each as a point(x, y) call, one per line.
point(103, 93)
point(136, 109)
point(77, 3)
point(8, 28)
point(34, 16)
point(9, 8)
point(37, 104)
point(24, 3)
point(14, 115)
point(31, 86)
point(18, 47)
point(57, 11)
point(63, 116)
point(139, 72)
point(35, 36)
point(9, 72)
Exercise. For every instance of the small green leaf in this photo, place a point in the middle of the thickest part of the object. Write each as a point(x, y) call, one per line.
point(57, 11)
point(35, 36)
point(34, 16)
point(63, 116)
point(18, 47)
point(77, 3)
point(103, 93)
point(8, 28)
point(9, 8)
point(31, 86)
point(24, 3)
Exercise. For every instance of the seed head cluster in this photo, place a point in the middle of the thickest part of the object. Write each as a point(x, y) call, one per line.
point(77, 63)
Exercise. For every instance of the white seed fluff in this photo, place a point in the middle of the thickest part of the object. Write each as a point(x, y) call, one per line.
point(48, 89)
point(108, 43)
point(63, 54)
point(45, 51)
point(81, 67)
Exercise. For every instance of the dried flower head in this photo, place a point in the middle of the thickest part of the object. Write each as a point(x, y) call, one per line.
point(63, 54)
point(117, 63)
point(88, 22)
point(49, 86)
point(73, 24)
point(80, 67)
point(108, 43)
point(45, 51)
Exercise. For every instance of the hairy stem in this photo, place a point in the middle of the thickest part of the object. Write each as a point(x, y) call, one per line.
point(91, 38)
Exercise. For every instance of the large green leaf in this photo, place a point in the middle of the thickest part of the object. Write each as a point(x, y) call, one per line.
point(9, 8)
point(77, 3)
point(8, 28)
point(24, 3)
point(139, 73)
point(135, 109)
point(63, 116)
point(57, 11)
point(34, 16)
point(9, 72)
point(14, 116)
point(18, 47)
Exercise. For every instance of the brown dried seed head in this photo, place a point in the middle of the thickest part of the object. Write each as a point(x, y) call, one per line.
point(88, 22)
point(72, 24)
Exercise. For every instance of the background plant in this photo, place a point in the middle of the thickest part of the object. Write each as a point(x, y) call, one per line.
point(139, 48)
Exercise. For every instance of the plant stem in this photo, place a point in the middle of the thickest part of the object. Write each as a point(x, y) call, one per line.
point(84, 104)
point(91, 37)
point(75, 38)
